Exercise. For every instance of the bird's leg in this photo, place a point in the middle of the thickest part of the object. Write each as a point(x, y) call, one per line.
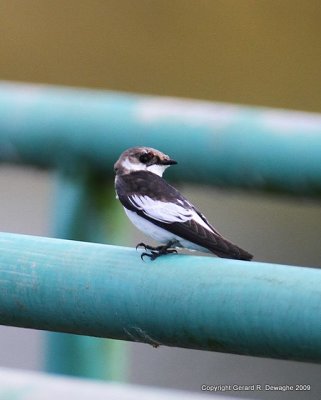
point(158, 250)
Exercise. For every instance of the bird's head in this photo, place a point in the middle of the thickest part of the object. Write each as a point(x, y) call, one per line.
point(142, 159)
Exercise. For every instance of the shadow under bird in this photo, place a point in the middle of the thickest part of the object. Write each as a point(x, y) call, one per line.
point(162, 212)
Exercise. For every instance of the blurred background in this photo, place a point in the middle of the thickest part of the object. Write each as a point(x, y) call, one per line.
point(240, 51)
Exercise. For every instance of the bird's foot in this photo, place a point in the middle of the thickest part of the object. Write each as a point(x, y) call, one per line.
point(155, 254)
point(147, 247)
point(157, 251)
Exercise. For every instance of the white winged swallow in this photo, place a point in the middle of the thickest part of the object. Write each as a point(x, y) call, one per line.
point(161, 211)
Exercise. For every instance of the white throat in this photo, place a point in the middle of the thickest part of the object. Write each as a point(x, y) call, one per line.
point(155, 169)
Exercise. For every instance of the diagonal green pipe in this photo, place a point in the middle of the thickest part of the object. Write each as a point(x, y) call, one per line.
point(179, 300)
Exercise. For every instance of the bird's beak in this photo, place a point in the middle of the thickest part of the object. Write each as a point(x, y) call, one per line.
point(168, 162)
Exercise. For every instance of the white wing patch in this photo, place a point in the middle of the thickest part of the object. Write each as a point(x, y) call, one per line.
point(161, 211)
point(167, 213)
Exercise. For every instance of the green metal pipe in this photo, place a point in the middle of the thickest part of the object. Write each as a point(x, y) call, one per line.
point(178, 300)
point(215, 143)
point(85, 210)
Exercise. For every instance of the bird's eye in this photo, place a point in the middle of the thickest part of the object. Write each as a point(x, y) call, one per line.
point(145, 158)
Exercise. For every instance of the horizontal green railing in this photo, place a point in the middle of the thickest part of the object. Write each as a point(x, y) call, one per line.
point(178, 300)
point(215, 143)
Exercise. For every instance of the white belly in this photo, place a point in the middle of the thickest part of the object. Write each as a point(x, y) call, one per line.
point(159, 234)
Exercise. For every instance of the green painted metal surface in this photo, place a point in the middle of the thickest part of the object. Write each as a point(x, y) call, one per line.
point(85, 210)
point(219, 144)
point(179, 300)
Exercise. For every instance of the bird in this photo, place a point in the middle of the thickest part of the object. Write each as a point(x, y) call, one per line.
point(161, 211)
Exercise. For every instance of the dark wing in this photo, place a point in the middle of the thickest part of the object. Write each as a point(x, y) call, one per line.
point(153, 198)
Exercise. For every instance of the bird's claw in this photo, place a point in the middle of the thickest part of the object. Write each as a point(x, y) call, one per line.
point(151, 255)
point(143, 245)
point(157, 253)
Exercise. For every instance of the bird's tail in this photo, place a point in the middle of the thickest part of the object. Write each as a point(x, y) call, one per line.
point(230, 250)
